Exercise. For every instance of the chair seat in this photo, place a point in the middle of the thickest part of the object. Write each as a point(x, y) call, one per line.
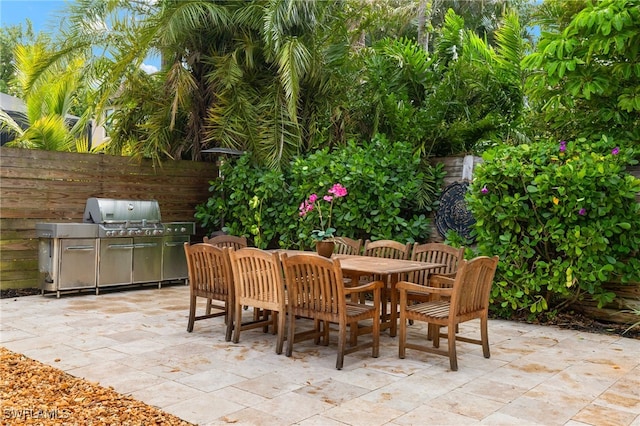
point(436, 309)
point(355, 311)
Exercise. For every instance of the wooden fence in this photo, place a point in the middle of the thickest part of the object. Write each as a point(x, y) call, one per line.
point(46, 186)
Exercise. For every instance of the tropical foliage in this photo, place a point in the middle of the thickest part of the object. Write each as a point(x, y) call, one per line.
point(463, 97)
point(586, 73)
point(383, 181)
point(562, 216)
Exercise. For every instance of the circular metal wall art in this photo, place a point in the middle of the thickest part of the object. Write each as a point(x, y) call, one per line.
point(453, 214)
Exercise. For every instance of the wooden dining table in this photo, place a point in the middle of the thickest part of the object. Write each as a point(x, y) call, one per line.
point(355, 266)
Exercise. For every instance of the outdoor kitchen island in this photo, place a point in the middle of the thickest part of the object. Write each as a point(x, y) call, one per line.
point(119, 242)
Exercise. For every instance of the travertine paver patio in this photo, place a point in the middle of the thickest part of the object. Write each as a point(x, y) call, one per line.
point(136, 342)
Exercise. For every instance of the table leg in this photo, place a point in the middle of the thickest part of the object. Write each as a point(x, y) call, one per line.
point(393, 315)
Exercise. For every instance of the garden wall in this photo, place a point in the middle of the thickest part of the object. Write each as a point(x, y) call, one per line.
point(46, 186)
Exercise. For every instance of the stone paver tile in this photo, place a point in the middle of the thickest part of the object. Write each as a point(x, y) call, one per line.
point(468, 405)
point(366, 378)
point(143, 346)
point(331, 391)
point(166, 393)
point(269, 385)
point(409, 393)
point(584, 379)
point(248, 417)
point(492, 389)
point(211, 380)
point(620, 401)
point(204, 409)
point(544, 411)
point(10, 334)
point(293, 407)
point(239, 396)
point(360, 412)
point(123, 378)
point(502, 419)
point(320, 420)
point(595, 414)
point(428, 415)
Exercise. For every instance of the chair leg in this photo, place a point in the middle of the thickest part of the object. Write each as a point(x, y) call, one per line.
point(436, 336)
point(290, 334)
point(453, 356)
point(342, 341)
point(353, 329)
point(236, 324)
point(192, 313)
point(402, 335)
point(485, 337)
point(280, 340)
point(228, 316)
point(208, 311)
point(375, 351)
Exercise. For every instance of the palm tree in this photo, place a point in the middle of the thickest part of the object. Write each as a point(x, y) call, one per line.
point(234, 73)
point(49, 97)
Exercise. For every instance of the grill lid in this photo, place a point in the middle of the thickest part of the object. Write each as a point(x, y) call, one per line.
point(108, 210)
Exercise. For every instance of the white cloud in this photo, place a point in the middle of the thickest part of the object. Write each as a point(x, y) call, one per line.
point(149, 69)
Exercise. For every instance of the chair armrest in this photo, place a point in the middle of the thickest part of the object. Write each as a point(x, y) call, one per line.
point(374, 285)
point(441, 280)
point(417, 288)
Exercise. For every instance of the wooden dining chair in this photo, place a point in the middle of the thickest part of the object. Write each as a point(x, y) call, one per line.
point(232, 241)
point(346, 245)
point(315, 290)
point(434, 253)
point(388, 249)
point(258, 282)
point(467, 299)
point(210, 276)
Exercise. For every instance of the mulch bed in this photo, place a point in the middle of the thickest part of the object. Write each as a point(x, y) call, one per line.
point(33, 393)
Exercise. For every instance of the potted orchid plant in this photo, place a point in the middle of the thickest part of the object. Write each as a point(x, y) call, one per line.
point(326, 232)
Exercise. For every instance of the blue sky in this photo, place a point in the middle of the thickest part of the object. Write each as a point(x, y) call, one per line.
point(43, 14)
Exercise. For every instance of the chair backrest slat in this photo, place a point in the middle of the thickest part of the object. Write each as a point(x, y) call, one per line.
point(257, 275)
point(388, 249)
point(346, 245)
point(231, 241)
point(472, 285)
point(314, 284)
point(208, 268)
point(435, 253)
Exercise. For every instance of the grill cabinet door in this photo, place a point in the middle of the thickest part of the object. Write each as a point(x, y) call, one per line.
point(174, 261)
point(116, 260)
point(77, 263)
point(147, 259)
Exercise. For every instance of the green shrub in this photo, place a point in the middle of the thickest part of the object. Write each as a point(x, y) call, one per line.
point(562, 217)
point(385, 181)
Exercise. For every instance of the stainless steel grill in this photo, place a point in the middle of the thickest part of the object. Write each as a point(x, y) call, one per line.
point(120, 242)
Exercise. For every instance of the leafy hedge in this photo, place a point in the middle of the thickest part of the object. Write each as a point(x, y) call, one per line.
point(387, 184)
point(563, 218)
